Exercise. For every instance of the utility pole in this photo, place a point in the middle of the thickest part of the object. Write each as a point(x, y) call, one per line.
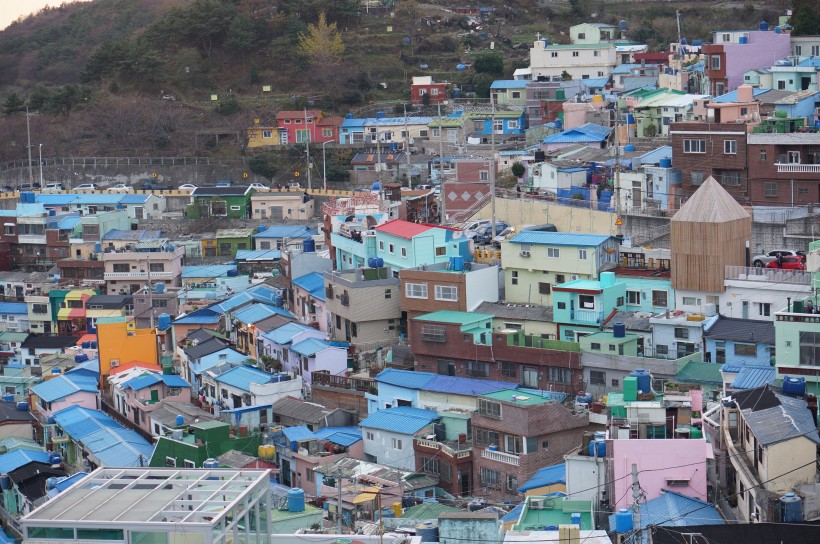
point(307, 149)
point(636, 496)
point(407, 148)
point(150, 293)
point(339, 506)
point(28, 132)
point(492, 169)
point(443, 208)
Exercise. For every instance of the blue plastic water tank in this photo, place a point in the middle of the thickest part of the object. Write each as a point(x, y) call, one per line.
point(623, 521)
point(93, 344)
point(277, 300)
point(296, 500)
point(743, 40)
point(55, 458)
point(8, 397)
point(764, 26)
point(791, 508)
point(163, 322)
point(160, 287)
point(210, 463)
point(180, 420)
point(597, 447)
point(294, 445)
point(81, 358)
point(5, 481)
point(375, 186)
point(599, 435)
point(86, 344)
point(794, 387)
point(583, 398)
point(373, 262)
point(379, 262)
point(619, 330)
point(644, 379)
point(98, 247)
point(379, 115)
point(457, 264)
point(460, 67)
point(56, 371)
point(308, 245)
point(665, 163)
point(778, 30)
point(575, 518)
point(232, 272)
point(697, 43)
point(629, 148)
point(52, 212)
point(428, 532)
point(22, 406)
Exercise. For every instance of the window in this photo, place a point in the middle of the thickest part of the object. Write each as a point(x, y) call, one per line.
point(446, 292)
point(119, 267)
point(793, 157)
point(662, 350)
point(553, 252)
point(575, 53)
point(404, 252)
point(730, 177)
point(267, 133)
point(559, 278)
point(159, 303)
point(512, 444)
point(694, 146)
point(690, 301)
point(714, 62)
point(745, 350)
point(219, 208)
point(381, 245)
point(762, 155)
point(170, 462)
point(433, 333)
point(441, 251)
point(595, 346)
point(484, 175)
point(560, 375)
point(582, 35)
point(764, 309)
point(659, 298)
point(397, 444)
point(39, 308)
point(446, 367)
point(489, 408)
point(327, 133)
point(415, 290)
point(544, 288)
point(615, 383)
point(489, 478)
point(156, 267)
point(597, 377)
point(554, 54)
point(391, 249)
point(633, 297)
point(562, 305)
point(770, 188)
point(682, 333)
point(677, 483)
point(484, 437)
point(187, 463)
point(730, 147)
point(430, 465)
point(697, 178)
point(509, 370)
point(587, 302)
point(514, 277)
point(582, 254)
point(388, 293)
point(478, 369)
point(8, 229)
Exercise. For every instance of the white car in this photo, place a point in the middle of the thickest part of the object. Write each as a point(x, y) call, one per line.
point(473, 225)
point(120, 188)
point(258, 187)
point(190, 187)
point(760, 261)
point(86, 187)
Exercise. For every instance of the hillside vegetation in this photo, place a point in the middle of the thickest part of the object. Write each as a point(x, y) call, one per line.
point(137, 76)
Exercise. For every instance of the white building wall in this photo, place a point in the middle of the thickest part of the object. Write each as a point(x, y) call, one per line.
point(743, 298)
point(391, 449)
point(482, 285)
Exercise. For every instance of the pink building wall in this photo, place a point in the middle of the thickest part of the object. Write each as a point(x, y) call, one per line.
point(670, 459)
point(306, 463)
point(81, 398)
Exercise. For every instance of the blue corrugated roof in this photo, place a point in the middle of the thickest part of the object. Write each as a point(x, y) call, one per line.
point(402, 419)
point(207, 270)
point(64, 385)
point(77, 199)
point(811, 61)
point(64, 483)
point(654, 156)
point(68, 222)
point(514, 514)
point(559, 238)
point(134, 199)
point(405, 378)
point(78, 422)
point(509, 84)
point(313, 283)
point(749, 377)
point(17, 308)
point(258, 312)
point(242, 377)
point(261, 293)
point(675, 510)
point(310, 347)
point(554, 474)
point(732, 96)
point(298, 433)
point(595, 82)
point(284, 334)
point(464, 386)
point(257, 254)
point(344, 436)
point(285, 231)
point(147, 380)
point(19, 458)
point(587, 133)
point(104, 438)
point(203, 316)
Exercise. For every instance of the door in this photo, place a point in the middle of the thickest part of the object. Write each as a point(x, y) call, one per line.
point(529, 376)
point(465, 482)
point(744, 309)
point(283, 137)
point(284, 473)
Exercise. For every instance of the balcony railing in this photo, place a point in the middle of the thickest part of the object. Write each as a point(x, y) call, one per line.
point(461, 451)
point(795, 168)
point(323, 379)
point(501, 457)
point(770, 275)
point(143, 274)
point(586, 316)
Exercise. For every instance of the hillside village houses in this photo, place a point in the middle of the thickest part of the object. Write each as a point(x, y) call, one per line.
point(633, 349)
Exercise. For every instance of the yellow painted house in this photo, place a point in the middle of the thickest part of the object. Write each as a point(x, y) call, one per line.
point(121, 342)
point(260, 135)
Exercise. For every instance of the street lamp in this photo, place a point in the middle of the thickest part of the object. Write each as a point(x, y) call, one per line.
point(41, 166)
point(324, 166)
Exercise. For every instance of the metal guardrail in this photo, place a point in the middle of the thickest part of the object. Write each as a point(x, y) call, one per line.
point(123, 161)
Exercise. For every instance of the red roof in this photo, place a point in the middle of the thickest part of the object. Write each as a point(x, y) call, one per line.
point(298, 114)
point(331, 121)
point(402, 228)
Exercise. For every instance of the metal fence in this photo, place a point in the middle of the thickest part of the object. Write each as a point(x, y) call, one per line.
point(92, 162)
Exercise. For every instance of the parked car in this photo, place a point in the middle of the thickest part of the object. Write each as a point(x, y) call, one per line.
point(188, 187)
point(762, 260)
point(509, 232)
point(54, 187)
point(789, 262)
point(473, 225)
point(86, 187)
point(485, 235)
point(120, 188)
point(258, 187)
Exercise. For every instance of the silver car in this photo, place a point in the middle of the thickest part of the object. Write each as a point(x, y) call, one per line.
point(762, 260)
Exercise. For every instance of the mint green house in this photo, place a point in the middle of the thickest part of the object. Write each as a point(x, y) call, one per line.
point(648, 293)
point(403, 244)
point(607, 343)
point(581, 306)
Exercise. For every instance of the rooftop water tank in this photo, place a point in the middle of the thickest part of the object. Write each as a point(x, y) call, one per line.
point(794, 387)
point(232, 272)
point(427, 531)
point(163, 322)
point(697, 43)
point(296, 500)
point(597, 447)
point(623, 25)
point(55, 459)
point(180, 420)
point(619, 330)
point(629, 148)
point(160, 287)
point(644, 379)
point(791, 508)
point(460, 67)
point(8, 397)
point(379, 115)
point(764, 26)
point(623, 521)
point(373, 262)
point(22, 406)
point(665, 163)
point(52, 212)
point(575, 518)
point(5, 482)
point(308, 245)
point(82, 357)
point(210, 463)
point(457, 264)
point(56, 371)
point(86, 344)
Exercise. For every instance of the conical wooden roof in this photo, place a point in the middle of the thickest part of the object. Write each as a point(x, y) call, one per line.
point(711, 203)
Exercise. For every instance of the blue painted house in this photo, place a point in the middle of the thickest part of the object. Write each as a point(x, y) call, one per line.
point(589, 134)
point(403, 244)
point(352, 130)
point(14, 316)
point(500, 123)
point(640, 290)
point(674, 510)
point(739, 341)
point(388, 435)
point(581, 306)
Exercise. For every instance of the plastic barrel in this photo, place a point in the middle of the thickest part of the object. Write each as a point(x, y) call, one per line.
point(296, 500)
point(623, 521)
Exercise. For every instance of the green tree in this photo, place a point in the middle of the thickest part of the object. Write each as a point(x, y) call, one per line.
point(322, 44)
point(264, 164)
point(489, 62)
point(229, 106)
point(806, 19)
point(13, 104)
point(38, 98)
point(243, 35)
point(518, 169)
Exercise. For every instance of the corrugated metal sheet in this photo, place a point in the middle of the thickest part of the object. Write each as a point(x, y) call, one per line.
point(285, 231)
point(554, 474)
point(463, 386)
point(241, 377)
point(402, 420)
point(559, 238)
point(313, 283)
point(206, 271)
point(404, 378)
point(298, 433)
point(18, 458)
point(63, 386)
point(749, 377)
point(675, 510)
point(284, 334)
point(310, 347)
point(258, 312)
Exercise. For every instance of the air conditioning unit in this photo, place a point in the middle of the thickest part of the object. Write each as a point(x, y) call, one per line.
point(575, 277)
point(525, 253)
point(537, 504)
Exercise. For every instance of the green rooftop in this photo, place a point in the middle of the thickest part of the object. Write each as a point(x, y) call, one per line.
point(446, 122)
point(695, 372)
point(451, 316)
point(517, 397)
point(586, 285)
point(281, 515)
point(609, 337)
point(556, 512)
point(11, 336)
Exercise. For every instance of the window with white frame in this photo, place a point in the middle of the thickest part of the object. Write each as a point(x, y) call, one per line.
point(489, 408)
point(404, 252)
point(446, 292)
point(553, 253)
point(793, 157)
point(730, 147)
point(633, 297)
point(415, 290)
point(391, 249)
point(582, 254)
point(381, 245)
point(690, 301)
point(691, 145)
point(397, 443)
point(764, 309)
point(370, 436)
point(659, 298)
point(489, 478)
